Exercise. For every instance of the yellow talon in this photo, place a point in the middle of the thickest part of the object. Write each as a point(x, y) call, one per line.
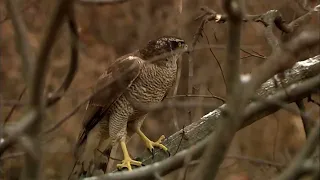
point(150, 144)
point(127, 161)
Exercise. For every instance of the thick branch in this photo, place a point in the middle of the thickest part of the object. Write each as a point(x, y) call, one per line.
point(216, 149)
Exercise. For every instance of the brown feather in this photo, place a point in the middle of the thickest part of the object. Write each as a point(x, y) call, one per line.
point(102, 100)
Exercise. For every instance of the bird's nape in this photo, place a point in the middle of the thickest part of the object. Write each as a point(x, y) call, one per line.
point(163, 45)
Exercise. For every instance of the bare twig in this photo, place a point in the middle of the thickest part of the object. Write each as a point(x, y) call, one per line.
point(253, 55)
point(14, 106)
point(269, 18)
point(13, 103)
point(203, 96)
point(190, 61)
point(220, 67)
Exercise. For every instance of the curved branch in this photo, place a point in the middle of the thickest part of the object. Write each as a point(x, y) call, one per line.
point(73, 67)
point(22, 43)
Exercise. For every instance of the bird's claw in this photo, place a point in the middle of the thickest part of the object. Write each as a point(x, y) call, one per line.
point(127, 162)
point(150, 145)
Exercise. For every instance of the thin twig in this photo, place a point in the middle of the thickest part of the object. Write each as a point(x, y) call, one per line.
point(220, 67)
point(254, 55)
point(14, 106)
point(203, 96)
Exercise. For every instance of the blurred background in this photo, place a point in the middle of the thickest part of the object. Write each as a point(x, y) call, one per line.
point(109, 31)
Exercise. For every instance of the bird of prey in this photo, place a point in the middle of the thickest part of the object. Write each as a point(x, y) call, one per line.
point(113, 114)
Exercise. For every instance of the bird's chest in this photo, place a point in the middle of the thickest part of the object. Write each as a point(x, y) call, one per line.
point(153, 83)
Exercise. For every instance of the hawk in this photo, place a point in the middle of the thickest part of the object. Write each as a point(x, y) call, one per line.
point(111, 116)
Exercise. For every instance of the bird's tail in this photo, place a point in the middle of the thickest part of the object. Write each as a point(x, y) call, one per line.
point(78, 150)
point(86, 154)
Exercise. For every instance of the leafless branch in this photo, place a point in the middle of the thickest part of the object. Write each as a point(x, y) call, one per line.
point(253, 55)
point(30, 123)
point(73, 67)
point(22, 42)
point(220, 67)
point(14, 107)
point(37, 83)
point(219, 144)
point(307, 125)
point(203, 96)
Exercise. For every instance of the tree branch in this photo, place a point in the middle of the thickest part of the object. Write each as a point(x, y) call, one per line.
point(73, 67)
point(37, 83)
point(216, 149)
point(22, 42)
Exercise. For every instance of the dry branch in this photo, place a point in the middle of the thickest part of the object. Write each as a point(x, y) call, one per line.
point(26, 131)
point(37, 83)
point(21, 33)
point(303, 78)
point(73, 67)
point(217, 148)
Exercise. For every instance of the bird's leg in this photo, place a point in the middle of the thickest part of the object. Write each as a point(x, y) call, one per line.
point(127, 161)
point(150, 144)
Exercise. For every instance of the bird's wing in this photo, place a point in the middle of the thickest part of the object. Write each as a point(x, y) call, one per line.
point(110, 86)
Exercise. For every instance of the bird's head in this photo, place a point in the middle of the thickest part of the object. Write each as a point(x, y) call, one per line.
point(165, 45)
